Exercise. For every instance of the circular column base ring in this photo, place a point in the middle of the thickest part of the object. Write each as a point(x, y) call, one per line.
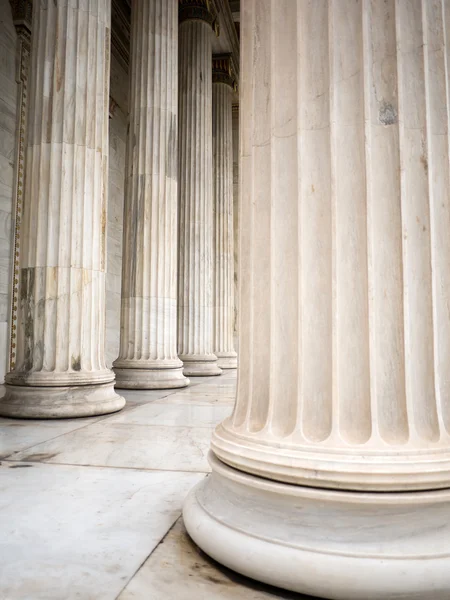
point(33, 402)
point(227, 360)
point(150, 379)
point(330, 544)
point(200, 366)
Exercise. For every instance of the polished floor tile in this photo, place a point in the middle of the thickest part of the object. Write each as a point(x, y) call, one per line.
point(112, 444)
point(19, 434)
point(139, 397)
point(182, 415)
point(201, 398)
point(78, 532)
point(227, 389)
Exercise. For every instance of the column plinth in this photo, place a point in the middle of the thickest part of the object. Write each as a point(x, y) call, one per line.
point(148, 353)
point(223, 85)
point(195, 278)
point(59, 368)
point(333, 472)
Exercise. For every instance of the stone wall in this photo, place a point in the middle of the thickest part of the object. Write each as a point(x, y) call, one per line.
point(117, 151)
point(8, 112)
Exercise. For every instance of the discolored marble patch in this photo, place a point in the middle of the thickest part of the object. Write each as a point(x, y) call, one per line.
point(179, 569)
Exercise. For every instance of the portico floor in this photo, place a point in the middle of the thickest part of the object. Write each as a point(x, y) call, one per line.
point(91, 508)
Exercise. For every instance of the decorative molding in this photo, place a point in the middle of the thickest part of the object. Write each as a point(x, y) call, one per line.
point(235, 110)
point(200, 10)
point(22, 14)
point(229, 37)
point(121, 31)
point(112, 107)
point(223, 70)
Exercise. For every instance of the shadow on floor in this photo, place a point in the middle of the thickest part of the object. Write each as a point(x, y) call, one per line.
point(241, 580)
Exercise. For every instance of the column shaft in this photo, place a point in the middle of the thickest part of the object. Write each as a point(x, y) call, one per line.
point(60, 368)
point(236, 228)
point(195, 280)
point(148, 354)
point(345, 261)
point(223, 226)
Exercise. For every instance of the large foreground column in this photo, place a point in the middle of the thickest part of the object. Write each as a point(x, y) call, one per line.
point(60, 368)
point(223, 85)
point(148, 335)
point(195, 278)
point(344, 387)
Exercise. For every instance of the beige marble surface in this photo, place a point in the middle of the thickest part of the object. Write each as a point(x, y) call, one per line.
point(71, 532)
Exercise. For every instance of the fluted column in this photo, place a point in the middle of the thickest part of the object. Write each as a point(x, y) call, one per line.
point(223, 85)
point(22, 14)
point(344, 387)
point(148, 335)
point(60, 368)
point(195, 277)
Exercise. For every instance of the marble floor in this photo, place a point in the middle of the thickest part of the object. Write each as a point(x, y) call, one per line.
point(90, 509)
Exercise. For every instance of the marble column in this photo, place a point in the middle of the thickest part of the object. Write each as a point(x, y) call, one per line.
point(195, 261)
point(59, 367)
point(224, 84)
point(148, 335)
point(332, 475)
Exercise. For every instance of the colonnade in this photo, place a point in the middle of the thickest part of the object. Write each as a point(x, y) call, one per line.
point(332, 475)
point(177, 235)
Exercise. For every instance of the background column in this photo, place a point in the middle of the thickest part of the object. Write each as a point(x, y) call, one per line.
point(60, 368)
point(223, 85)
point(344, 387)
point(195, 278)
point(148, 353)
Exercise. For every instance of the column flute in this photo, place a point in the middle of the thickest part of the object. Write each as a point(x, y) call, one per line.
point(224, 85)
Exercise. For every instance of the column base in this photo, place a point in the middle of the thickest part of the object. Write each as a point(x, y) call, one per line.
point(329, 544)
point(150, 379)
point(32, 402)
point(200, 366)
point(227, 360)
